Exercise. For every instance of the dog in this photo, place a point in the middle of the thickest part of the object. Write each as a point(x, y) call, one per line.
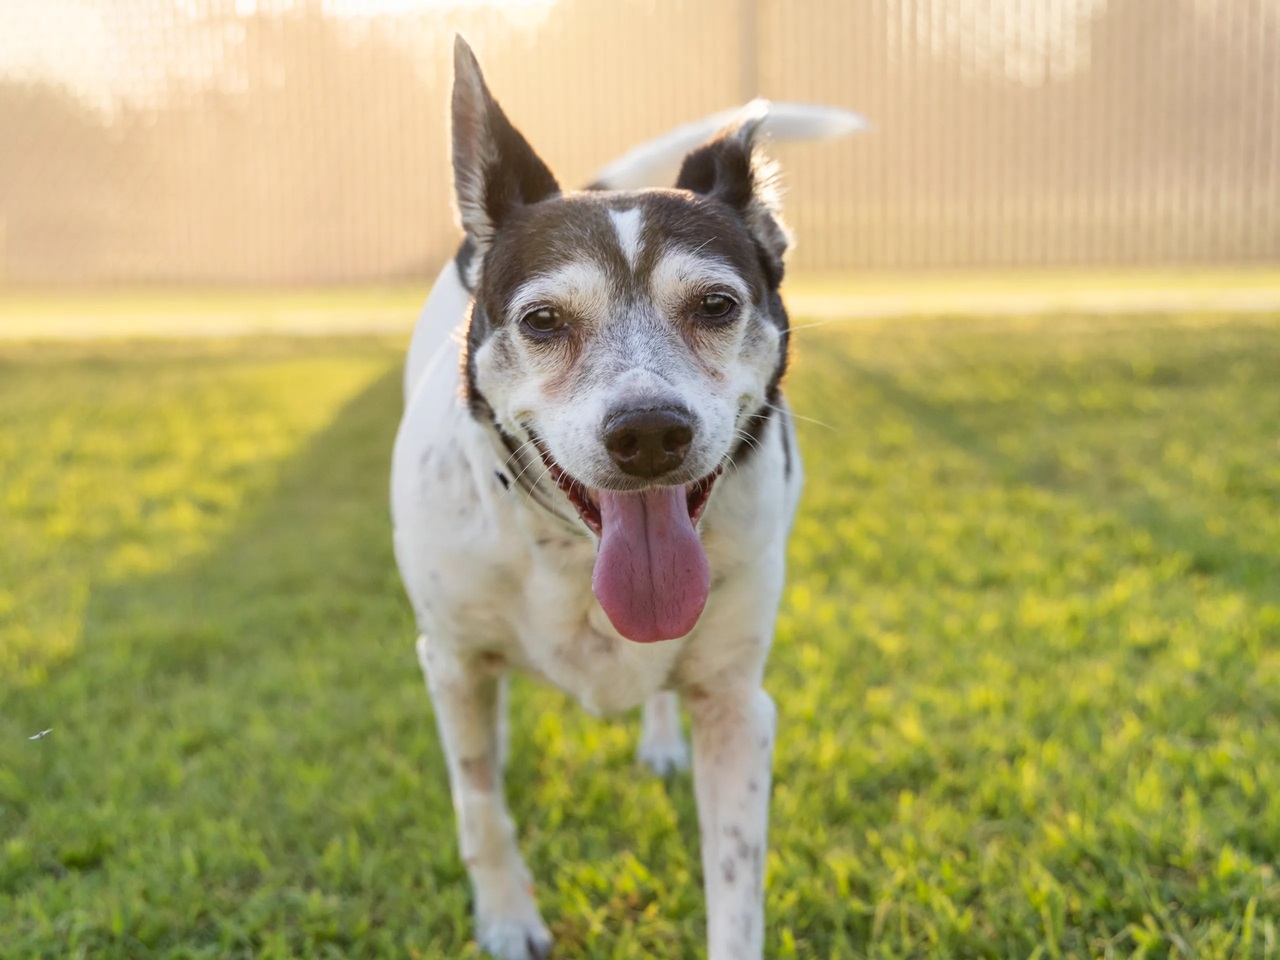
point(596, 472)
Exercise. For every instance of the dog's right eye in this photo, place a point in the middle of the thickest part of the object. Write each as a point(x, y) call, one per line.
point(543, 320)
point(715, 306)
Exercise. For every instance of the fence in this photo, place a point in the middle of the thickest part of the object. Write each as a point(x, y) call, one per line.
point(303, 141)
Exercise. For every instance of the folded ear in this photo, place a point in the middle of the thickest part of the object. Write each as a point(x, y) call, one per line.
point(732, 168)
point(495, 170)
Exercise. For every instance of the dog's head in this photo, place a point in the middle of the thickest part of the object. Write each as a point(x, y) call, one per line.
point(631, 338)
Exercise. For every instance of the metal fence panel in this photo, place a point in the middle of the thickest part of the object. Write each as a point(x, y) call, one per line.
point(305, 140)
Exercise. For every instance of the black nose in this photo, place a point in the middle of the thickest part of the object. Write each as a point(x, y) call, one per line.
point(648, 443)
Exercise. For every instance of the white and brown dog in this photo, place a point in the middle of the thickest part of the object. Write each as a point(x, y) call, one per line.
point(595, 476)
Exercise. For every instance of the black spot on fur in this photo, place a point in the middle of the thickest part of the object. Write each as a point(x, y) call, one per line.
point(490, 156)
point(721, 168)
point(477, 330)
point(462, 263)
point(517, 177)
point(502, 479)
point(725, 169)
point(741, 847)
point(784, 423)
point(730, 869)
point(777, 312)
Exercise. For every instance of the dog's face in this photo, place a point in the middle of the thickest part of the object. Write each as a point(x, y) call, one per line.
point(629, 338)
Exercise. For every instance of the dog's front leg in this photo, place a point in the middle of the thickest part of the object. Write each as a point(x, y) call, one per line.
point(468, 702)
point(733, 730)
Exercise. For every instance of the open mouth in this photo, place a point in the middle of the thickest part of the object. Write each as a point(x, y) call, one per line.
point(587, 502)
point(651, 573)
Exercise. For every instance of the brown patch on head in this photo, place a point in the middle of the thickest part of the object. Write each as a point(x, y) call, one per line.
point(623, 276)
point(540, 238)
point(571, 228)
point(732, 169)
point(495, 170)
point(683, 220)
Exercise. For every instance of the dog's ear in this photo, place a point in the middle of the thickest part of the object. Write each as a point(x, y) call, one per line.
point(494, 168)
point(732, 168)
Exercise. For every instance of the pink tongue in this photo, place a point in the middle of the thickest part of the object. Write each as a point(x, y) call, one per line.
point(651, 573)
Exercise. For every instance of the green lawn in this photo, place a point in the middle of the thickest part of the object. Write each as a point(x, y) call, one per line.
point(124, 312)
point(1027, 670)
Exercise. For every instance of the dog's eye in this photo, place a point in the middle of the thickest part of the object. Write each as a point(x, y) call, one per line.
point(543, 320)
point(715, 306)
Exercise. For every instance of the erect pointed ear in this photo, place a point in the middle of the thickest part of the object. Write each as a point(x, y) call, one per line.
point(495, 170)
point(732, 168)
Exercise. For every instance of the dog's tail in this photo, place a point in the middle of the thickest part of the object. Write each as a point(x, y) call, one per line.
point(656, 162)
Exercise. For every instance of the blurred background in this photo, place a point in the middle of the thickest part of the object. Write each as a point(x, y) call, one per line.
point(1028, 659)
point(303, 142)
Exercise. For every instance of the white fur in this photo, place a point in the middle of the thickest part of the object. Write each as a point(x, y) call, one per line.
point(636, 356)
point(498, 583)
point(582, 287)
point(679, 270)
point(500, 578)
point(656, 162)
point(662, 745)
point(628, 224)
point(447, 302)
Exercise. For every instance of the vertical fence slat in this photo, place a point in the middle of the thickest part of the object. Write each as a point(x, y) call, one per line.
point(292, 144)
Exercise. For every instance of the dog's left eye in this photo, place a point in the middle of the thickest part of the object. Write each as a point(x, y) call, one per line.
point(543, 320)
point(715, 306)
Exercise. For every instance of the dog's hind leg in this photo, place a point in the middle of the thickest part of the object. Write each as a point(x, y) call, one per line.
point(662, 745)
point(733, 733)
point(467, 695)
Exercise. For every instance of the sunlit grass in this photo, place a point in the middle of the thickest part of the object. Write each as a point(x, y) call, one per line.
point(115, 304)
point(1027, 669)
point(1126, 280)
point(122, 311)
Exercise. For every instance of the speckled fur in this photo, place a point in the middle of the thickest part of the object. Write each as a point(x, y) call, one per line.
point(496, 562)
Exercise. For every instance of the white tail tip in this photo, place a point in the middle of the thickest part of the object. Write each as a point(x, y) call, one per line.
point(656, 162)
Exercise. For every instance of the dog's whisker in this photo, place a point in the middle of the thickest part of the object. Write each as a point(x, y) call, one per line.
point(820, 323)
point(535, 482)
point(698, 249)
point(518, 451)
point(523, 471)
point(797, 416)
point(525, 468)
point(533, 486)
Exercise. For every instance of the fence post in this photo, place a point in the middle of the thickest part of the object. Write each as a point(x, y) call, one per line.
point(749, 49)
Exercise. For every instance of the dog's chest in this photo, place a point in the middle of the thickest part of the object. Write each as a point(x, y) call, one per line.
point(490, 572)
point(562, 635)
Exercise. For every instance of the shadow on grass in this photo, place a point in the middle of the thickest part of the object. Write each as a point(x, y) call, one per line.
point(311, 544)
point(1249, 571)
point(244, 746)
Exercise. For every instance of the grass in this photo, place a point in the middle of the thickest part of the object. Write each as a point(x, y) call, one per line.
point(1028, 666)
point(131, 312)
point(1192, 278)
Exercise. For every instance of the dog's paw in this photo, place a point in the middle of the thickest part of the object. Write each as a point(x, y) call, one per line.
point(665, 758)
point(514, 939)
point(508, 925)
